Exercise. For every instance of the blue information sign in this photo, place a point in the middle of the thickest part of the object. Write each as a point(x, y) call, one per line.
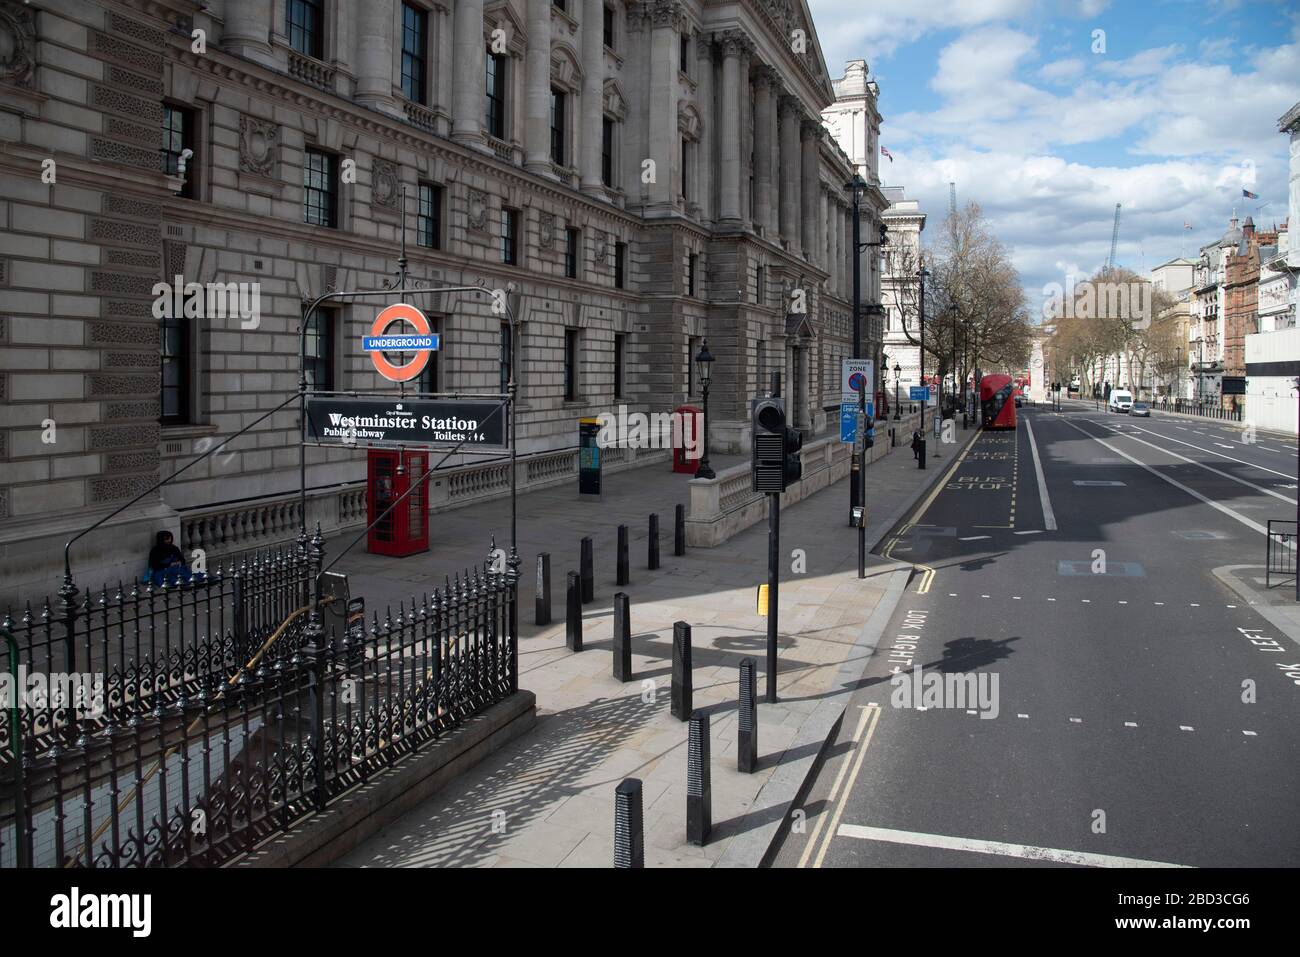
point(398, 343)
point(849, 420)
point(918, 393)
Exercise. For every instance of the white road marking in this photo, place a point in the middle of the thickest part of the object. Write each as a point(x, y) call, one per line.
point(969, 711)
point(1212, 452)
point(1022, 716)
point(1049, 517)
point(973, 538)
point(1130, 724)
point(1177, 484)
point(984, 596)
point(1001, 848)
point(1015, 598)
point(1196, 605)
point(1086, 601)
point(1251, 733)
point(1159, 603)
point(1037, 531)
point(1051, 599)
point(1123, 603)
point(1076, 721)
point(1185, 727)
point(1232, 606)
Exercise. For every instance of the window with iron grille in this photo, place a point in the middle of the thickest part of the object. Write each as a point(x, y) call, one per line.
point(620, 344)
point(306, 27)
point(510, 237)
point(558, 104)
point(428, 219)
point(570, 365)
point(496, 95)
point(572, 252)
point(607, 151)
point(620, 265)
point(175, 362)
point(320, 189)
point(178, 136)
point(608, 26)
point(415, 45)
point(319, 350)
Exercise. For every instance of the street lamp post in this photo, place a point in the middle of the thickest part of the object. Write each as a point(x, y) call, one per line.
point(704, 366)
point(857, 187)
point(898, 374)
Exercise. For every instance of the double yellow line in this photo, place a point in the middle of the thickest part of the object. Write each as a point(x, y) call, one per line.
point(861, 742)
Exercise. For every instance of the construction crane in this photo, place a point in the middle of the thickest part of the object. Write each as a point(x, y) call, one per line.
point(952, 198)
point(1114, 239)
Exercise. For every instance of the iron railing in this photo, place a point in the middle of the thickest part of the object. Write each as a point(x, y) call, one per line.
point(1208, 410)
point(212, 744)
point(1280, 552)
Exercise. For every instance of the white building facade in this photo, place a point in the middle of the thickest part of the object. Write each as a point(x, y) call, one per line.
point(900, 290)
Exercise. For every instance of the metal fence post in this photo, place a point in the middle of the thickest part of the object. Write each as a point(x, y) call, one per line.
point(585, 566)
point(679, 530)
point(21, 829)
point(543, 603)
point(747, 720)
point(681, 685)
point(652, 543)
point(621, 560)
point(699, 791)
point(629, 839)
point(573, 614)
point(622, 638)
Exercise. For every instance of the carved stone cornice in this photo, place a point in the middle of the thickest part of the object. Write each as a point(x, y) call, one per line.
point(735, 43)
point(792, 107)
point(656, 14)
point(764, 75)
point(810, 128)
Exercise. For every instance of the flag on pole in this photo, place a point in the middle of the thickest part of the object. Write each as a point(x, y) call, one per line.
point(1249, 195)
point(885, 153)
point(1186, 225)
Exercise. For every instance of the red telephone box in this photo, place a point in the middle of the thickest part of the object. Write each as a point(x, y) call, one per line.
point(690, 435)
point(404, 530)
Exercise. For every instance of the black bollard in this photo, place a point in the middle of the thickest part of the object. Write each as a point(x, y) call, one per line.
point(699, 791)
point(622, 555)
point(622, 637)
point(585, 568)
point(679, 531)
point(543, 609)
point(573, 614)
point(629, 840)
point(652, 543)
point(747, 719)
point(681, 686)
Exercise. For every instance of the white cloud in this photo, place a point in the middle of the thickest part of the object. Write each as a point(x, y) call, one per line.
point(851, 28)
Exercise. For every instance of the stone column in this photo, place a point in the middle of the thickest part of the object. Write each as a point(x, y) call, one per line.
point(247, 29)
point(375, 57)
point(537, 95)
point(802, 409)
point(810, 178)
point(729, 160)
point(471, 73)
point(764, 121)
point(824, 257)
point(664, 145)
point(593, 93)
point(704, 102)
point(791, 112)
point(846, 256)
point(746, 137)
point(833, 244)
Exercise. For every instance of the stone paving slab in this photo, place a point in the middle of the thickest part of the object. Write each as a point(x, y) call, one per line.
point(547, 798)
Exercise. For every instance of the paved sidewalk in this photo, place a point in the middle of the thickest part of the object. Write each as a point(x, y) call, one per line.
point(548, 799)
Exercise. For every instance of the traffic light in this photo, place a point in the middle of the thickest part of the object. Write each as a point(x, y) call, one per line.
point(768, 468)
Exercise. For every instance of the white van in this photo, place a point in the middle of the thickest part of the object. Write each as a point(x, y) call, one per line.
point(1121, 400)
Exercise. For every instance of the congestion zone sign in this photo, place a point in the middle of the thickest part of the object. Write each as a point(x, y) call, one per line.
point(379, 342)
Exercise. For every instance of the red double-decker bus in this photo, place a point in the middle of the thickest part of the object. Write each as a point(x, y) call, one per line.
point(997, 409)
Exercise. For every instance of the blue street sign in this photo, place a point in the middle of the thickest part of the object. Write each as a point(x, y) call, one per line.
point(849, 421)
point(918, 393)
point(399, 343)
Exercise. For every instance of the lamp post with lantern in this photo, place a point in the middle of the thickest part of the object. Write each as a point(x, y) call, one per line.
point(704, 368)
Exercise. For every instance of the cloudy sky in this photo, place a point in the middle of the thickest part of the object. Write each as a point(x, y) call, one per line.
point(1010, 99)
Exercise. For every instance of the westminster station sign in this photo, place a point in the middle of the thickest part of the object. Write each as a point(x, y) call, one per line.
point(364, 421)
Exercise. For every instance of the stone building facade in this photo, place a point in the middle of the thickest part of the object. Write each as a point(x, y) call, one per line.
point(644, 175)
point(903, 257)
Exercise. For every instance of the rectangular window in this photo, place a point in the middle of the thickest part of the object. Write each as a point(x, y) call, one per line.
point(562, 4)
point(684, 50)
point(686, 169)
point(428, 220)
point(415, 45)
point(429, 378)
point(692, 350)
point(558, 102)
point(620, 265)
point(175, 360)
point(496, 95)
point(319, 192)
point(760, 285)
point(503, 358)
point(510, 237)
point(306, 27)
point(620, 344)
point(572, 252)
point(319, 342)
point(178, 136)
point(609, 27)
point(607, 152)
point(691, 260)
point(570, 365)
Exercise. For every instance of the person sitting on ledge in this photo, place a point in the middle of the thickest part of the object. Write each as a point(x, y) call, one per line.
point(166, 563)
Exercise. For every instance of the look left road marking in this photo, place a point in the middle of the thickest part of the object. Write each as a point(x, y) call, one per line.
point(1001, 848)
point(871, 715)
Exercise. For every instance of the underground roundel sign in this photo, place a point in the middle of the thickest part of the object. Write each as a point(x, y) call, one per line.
point(386, 337)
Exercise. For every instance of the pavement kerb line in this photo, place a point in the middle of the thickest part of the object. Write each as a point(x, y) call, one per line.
point(1273, 615)
point(860, 748)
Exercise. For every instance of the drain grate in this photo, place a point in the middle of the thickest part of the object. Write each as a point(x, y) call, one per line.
point(1200, 535)
point(1113, 569)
